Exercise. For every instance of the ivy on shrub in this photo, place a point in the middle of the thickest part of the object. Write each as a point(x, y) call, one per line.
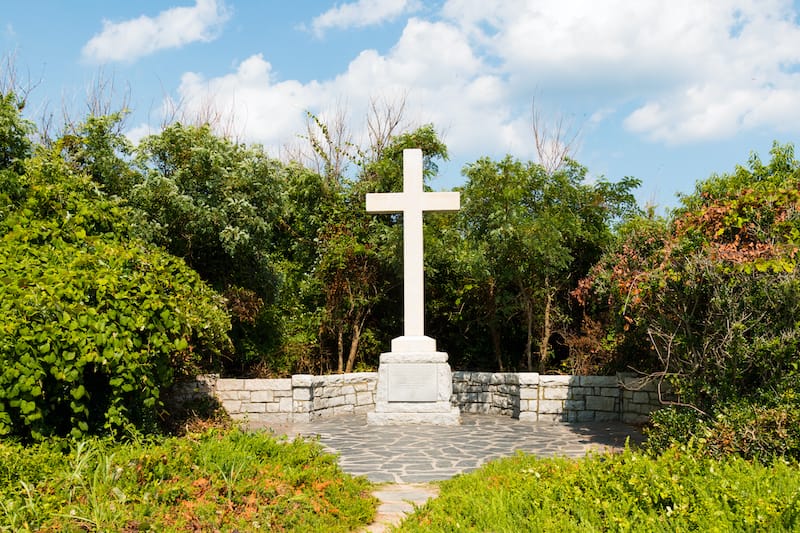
point(93, 322)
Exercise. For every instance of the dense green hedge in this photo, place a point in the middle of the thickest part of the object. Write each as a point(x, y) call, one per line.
point(93, 322)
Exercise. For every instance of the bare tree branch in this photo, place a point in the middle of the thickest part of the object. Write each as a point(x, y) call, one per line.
point(665, 354)
point(384, 121)
point(555, 141)
point(12, 82)
point(207, 113)
point(328, 145)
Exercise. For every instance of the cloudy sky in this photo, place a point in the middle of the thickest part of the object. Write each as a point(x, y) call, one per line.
point(668, 92)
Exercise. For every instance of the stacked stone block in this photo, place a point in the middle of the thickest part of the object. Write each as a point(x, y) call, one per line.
point(640, 397)
point(300, 398)
point(543, 398)
point(327, 396)
point(591, 399)
point(526, 395)
point(554, 392)
point(185, 393)
point(256, 400)
point(486, 392)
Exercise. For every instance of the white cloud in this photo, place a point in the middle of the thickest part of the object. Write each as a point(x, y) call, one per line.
point(673, 72)
point(453, 89)
point(137, 133)
point(693, 69)
point(361, 13)
point(250, 101)
point(714, 111)
point(173, 28)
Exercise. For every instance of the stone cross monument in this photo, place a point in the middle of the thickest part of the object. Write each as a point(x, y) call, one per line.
point(414, 380)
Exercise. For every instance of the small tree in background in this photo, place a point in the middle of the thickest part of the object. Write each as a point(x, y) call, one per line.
point(533, 234)
point(215, 204)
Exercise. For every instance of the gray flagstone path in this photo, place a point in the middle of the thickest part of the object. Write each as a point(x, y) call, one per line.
point(418, 453)
point(410, 456)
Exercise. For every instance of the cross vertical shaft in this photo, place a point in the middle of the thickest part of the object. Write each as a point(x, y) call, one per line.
point(413, 282)
point(411, 203)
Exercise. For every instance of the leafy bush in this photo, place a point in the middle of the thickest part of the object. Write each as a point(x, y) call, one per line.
point(756, 431)
point(94, 322)
point(672, 425)
point(675, 491)
point(15, 146)
point(214, 481)
point(764, 429)
point(715, 295)
point(97, 147)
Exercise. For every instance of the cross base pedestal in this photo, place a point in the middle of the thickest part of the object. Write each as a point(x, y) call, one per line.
point(414, 388)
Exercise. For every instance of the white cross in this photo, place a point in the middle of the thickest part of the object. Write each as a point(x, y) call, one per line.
point(412, 202)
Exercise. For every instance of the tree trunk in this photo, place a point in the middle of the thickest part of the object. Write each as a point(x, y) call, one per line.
point(340, 349)
point(498, 354)
point(358, 326)
point(529, 326)
point(493, 330)
point(544, 343)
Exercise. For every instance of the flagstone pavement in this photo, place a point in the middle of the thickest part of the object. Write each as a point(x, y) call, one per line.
point(410, 457)
point(416, 453)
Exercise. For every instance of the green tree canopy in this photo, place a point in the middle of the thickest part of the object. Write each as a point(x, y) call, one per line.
point(15, 145)
point(532, 234)
point(216, 204)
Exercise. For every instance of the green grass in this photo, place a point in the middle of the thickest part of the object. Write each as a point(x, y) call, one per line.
point(228, 480)
point(220, 480)
point(675, 491)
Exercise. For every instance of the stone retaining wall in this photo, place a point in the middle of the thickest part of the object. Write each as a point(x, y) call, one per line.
point(300, 398)
point(546, 398)
point(525, 395)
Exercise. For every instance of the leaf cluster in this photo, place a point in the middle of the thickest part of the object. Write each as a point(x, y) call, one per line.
point(710, 297)
point(215, 204)
point(528, 235)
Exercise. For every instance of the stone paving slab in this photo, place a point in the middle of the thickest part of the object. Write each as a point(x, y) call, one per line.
point(423, 453)
point(397, 501)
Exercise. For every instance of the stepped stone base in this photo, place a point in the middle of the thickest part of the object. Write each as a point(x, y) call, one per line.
point(414, 388)
point(437, 419)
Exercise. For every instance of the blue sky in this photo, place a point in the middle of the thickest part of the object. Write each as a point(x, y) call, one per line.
point(668, 92)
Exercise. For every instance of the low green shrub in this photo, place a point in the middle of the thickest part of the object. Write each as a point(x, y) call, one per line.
point(672, 425)
point(756, 431)
point(764, 429)
point(679, 490)
point(220, 480)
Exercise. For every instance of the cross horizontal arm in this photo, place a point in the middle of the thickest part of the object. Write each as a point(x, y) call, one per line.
point(385, 202)
point(397, 202)
point(441, 201)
